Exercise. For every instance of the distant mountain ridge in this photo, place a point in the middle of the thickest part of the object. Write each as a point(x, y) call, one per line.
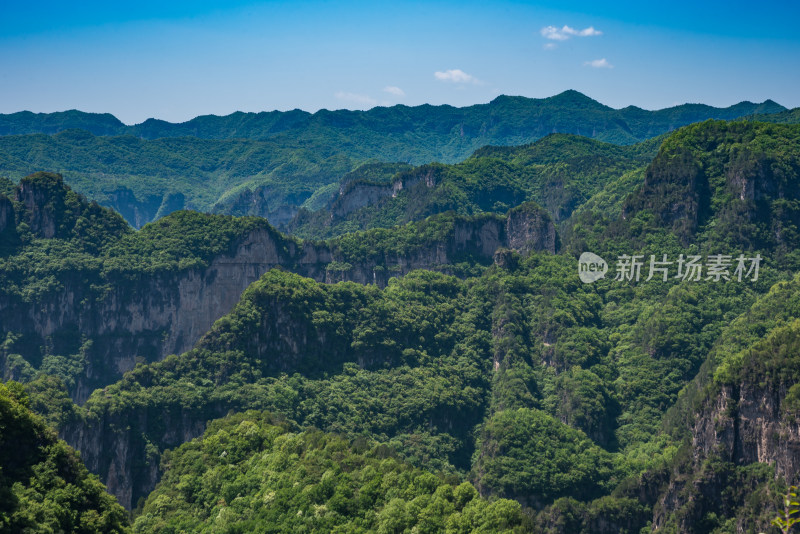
point(502, 120)
point(270, 164)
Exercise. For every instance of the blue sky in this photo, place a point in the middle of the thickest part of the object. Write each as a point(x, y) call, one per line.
point(177, 60)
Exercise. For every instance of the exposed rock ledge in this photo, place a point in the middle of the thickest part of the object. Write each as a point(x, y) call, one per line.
point(166, 313)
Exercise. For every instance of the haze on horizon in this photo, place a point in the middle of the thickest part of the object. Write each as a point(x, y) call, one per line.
point(175, 61)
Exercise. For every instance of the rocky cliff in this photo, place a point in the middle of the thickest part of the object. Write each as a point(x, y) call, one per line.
point(111, 316)
point(198, 298)
point(166, 310)
point(744, 419)
point(356, 194)
point(137, 212)
point(724, 182)
point(266, 201)
point(7, 227)
point(115, 447)
point(746, 423)
point(474, 239)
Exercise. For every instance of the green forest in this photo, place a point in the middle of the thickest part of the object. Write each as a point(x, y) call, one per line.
point(413, 349)
point(272, 164)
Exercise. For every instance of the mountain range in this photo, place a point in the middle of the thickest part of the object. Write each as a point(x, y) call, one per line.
point(419, 353)
point(271, 164)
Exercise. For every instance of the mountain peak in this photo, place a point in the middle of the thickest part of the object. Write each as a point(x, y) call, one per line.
point(770, 106)
point(569, 98)
point(571, 93)
point(575, 99)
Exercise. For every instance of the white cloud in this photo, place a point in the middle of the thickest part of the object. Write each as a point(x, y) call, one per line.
point(599, 64)
point(550, 46)
point(392, 90)
point(562, 34)
point(361, 100)
point(587, 32)
point(455, 76)
point(551, 32)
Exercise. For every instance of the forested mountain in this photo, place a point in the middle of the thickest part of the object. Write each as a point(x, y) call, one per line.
point(416, 134)
point(44, 486)
point(144, 180)
point(84, 297)
point(452, 373)
point(560, 172)
point(790, 116)
point(271, 164)
point(269, 478)
point(26, 122)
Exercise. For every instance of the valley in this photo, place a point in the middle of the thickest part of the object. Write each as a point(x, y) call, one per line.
point(409, 346)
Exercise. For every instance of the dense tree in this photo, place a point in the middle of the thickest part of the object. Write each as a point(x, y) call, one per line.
point(44, 487)
point(250, 472)
point(514, 381)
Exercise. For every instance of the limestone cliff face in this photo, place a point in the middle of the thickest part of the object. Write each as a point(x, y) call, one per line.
point(741, 424)
point(529, 228)
point(264, 201)
point(477, 240)
point(153, 317)
point(40, 206)
point(114, 446)
point(746, 424)
point(7, 227)
point(146, 319)
point(181, 309)
point(523, 230)
point(167, 312)
point(357, 194)
point(137, 212)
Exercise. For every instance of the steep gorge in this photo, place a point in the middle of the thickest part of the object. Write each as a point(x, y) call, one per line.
point(148, 315)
